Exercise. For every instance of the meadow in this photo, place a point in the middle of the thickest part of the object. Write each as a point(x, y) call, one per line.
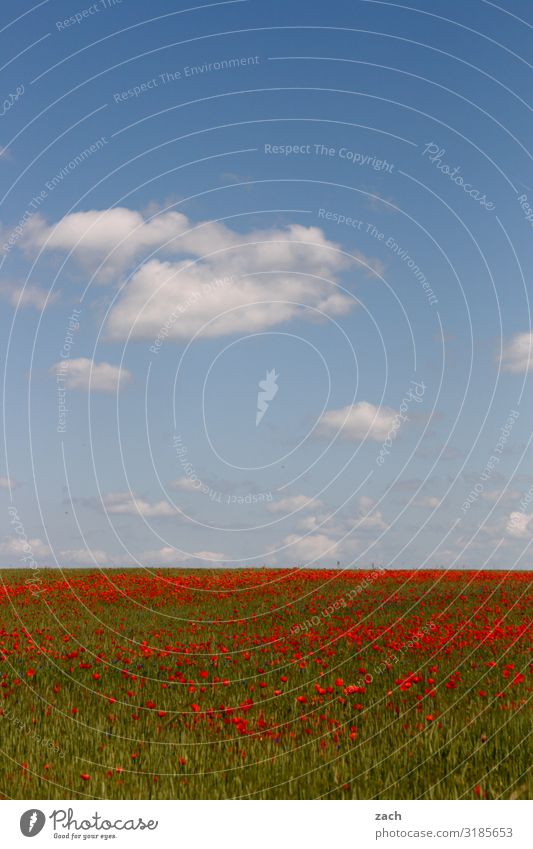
point(265, 683)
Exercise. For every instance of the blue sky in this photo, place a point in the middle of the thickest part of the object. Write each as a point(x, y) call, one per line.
point(332, 199)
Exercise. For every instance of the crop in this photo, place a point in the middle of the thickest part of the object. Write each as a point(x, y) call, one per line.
point(265, 683)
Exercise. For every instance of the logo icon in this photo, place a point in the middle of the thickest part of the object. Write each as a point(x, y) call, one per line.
point(32, 822)
point(267, 390)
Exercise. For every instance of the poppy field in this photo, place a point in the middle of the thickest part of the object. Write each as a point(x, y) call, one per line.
point(265, 683)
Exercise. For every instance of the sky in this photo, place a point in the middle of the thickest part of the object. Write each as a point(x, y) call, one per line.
point(264, 284)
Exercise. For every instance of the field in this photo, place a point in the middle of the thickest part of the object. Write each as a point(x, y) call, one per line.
point(265, 684)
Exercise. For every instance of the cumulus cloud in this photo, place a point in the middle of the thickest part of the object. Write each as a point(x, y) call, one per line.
point(112, 237)
point(119, 235)
point(168, 556)
point(177, 300)
point(320, 528)
point(517, 354)
point(83, 373)
point(368, 517)
point(357, 422)
point(494, 495)
point(430, 501)
point(209, 555)
point(294, 502)
point(310, 548)
point(84, 557)
point(519, 525)
point(185, 484)
point(27, 296)
point(310, 523)
point(263, 278)
point(128, 504)
point(17, 547)
point(371, 522)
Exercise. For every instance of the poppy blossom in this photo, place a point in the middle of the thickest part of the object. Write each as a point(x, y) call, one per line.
point(274, 703)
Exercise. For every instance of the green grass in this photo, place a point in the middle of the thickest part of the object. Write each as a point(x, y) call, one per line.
point(159, 644)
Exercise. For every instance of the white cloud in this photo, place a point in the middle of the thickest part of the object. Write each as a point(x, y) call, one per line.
point(517, 355)
point(309, 523)
point(294, 502)
point(119, 235)
point(211, 556)
point(128, 504)
point(179, 300)
point(27, 296)
point(17, 547)
point(169, 556)
point(85, 557)
point(83, 373)
point(165, 555)
point(269, 276)
point(185, 484)
point(518, 525)
point(373, 521)
point(310, 548)
point(116, 236)
point(494, 495)
point(358, 421)
point(430, 501)
point(321, 528)
point(369, 518)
